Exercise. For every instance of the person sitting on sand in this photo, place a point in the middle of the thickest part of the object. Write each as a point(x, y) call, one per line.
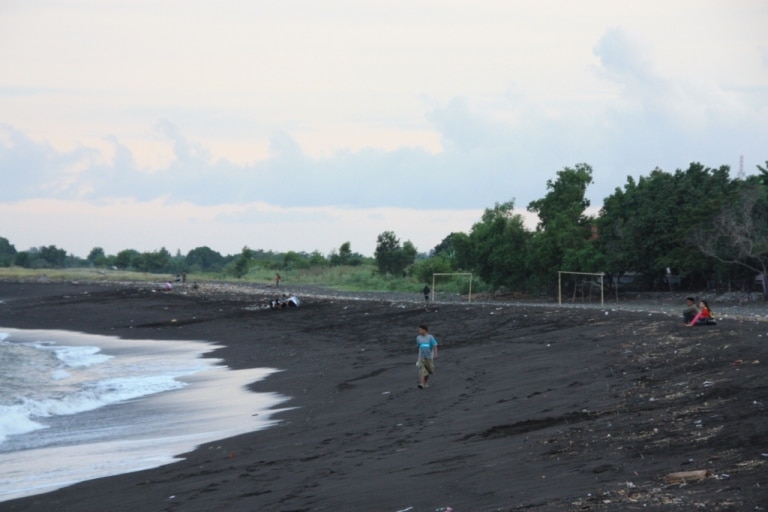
point(292, 301)
point(690, 310)
point(703, 317)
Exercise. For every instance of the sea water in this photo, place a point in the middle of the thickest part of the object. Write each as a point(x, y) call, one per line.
point(74, 407)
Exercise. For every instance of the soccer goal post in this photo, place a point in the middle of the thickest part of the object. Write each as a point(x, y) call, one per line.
point(560, 273)
point(469, 295)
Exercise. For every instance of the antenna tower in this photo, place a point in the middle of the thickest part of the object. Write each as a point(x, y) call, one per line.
point(741, 167)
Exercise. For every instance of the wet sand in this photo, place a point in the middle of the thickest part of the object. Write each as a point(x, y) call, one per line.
point(533, 407)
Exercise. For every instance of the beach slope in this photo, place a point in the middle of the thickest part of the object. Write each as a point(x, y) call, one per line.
point(532, 407)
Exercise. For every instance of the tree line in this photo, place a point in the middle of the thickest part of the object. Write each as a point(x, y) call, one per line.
point(699, 224)
point(201, 259)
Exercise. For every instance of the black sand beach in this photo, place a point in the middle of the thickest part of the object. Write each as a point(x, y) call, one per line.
point(533, 407)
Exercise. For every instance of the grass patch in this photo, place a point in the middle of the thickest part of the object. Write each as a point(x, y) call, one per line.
point(351, 278)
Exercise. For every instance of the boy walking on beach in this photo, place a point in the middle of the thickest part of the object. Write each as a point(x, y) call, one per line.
point(427, 347)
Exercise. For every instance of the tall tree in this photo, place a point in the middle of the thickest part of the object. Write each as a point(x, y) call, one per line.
point(155, 261)
point(738, 234)
point(391, 257)
point(204, 258)
point(646, 227)
point(52, 256)
point(343, 256)
point(126, 258)
point(7, 252)
point(562, 237)
point(243, 263)
point(497, 244)
point(97, 257)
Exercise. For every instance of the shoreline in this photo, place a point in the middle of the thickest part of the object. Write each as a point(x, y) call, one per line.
point(208, 403)
point(535, 408)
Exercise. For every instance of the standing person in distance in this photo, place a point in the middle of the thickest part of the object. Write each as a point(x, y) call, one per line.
point(427, 350)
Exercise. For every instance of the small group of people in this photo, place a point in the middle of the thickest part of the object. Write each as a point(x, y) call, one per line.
point(697, 314)
point(284, 302)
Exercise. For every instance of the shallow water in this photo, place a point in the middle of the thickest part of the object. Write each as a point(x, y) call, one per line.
point(74, 407)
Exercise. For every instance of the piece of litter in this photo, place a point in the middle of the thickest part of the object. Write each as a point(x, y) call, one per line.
point(688, 476)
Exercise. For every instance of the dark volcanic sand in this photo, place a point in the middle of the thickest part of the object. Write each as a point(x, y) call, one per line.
point(535, 408)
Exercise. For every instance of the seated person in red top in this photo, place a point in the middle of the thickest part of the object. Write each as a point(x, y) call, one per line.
point(704, 316)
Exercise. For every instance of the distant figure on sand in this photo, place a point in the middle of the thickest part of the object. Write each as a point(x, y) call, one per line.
point(426, 291)
point(427, 350)
point(277, 280)
point(289, 302)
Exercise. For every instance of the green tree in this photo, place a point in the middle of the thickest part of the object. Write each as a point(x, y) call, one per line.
point(125, 259)
point(97, 257)
point(408, 254)
point(497, 244)
point(763, 176)
point(243, 263)
point(294, 260)
point(156, 261)
point(455, 251)
point(424, 269)
point(738, 234)
point(392, 257)
point(204, 259)
point(647, 226)
point(343, 256)
point(562, 237)
point(22, 259)
point(7, 253)
point(52, 256)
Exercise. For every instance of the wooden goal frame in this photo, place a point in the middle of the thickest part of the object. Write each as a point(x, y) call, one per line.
point(469, 296)
point(560, 289)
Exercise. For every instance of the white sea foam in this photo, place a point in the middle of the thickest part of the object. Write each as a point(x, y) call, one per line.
point(15, 420)
point(75, 380)
point(74, 357)
point(71, 407)
point(99, 394)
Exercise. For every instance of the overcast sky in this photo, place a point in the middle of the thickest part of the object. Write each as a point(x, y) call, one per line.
point(303, 124)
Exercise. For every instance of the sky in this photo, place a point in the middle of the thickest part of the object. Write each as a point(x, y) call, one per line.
point(299, 125)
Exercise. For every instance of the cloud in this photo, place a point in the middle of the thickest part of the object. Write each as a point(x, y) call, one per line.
point(31, 169)
point(493, 147)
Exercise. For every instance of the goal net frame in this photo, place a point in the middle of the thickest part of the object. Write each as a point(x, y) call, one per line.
point(469, 296)
point(560, 273)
